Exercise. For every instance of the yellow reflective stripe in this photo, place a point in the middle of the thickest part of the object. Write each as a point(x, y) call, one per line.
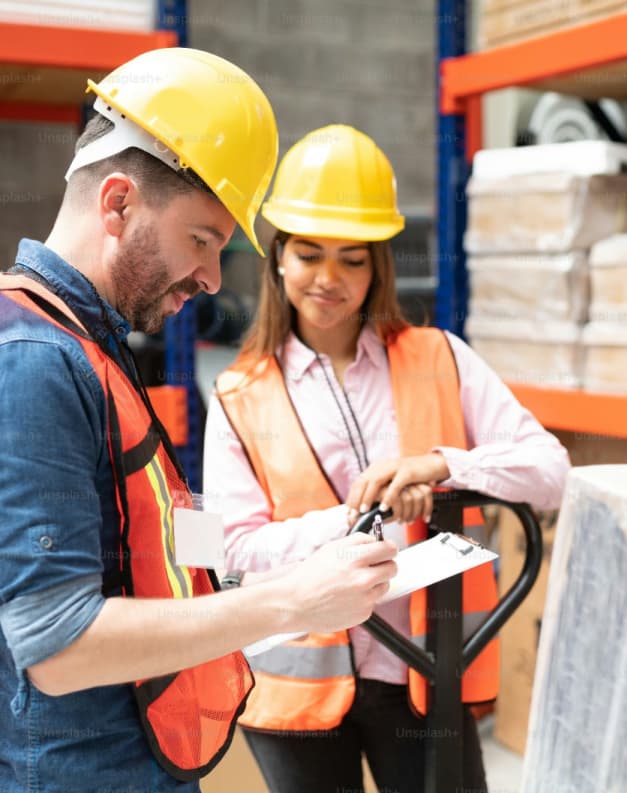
point(179, 577)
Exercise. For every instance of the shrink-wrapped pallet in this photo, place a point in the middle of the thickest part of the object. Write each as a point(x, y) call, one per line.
point(526, 351)
point(608, 280)
point(534, 286)
point(544, 212)
point(577, 738)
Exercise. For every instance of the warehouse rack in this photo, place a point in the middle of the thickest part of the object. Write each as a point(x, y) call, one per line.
point(43, 74)
point(588, 61)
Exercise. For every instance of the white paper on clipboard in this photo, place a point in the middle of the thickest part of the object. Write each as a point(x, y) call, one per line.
point(433, 560)
point(419, 566)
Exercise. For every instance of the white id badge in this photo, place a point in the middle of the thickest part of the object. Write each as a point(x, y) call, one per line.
point(198, 536)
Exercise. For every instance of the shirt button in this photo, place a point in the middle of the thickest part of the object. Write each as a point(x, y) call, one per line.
point(120, 331)
point(45, 542)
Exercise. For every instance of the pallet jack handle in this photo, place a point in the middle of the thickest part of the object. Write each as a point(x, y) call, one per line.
point(447, 655)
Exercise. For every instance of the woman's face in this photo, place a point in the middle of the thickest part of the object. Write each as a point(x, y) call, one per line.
point(326, 280)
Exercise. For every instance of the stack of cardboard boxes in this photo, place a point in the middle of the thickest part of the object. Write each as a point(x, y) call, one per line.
point(605, 336)
point(534, 214)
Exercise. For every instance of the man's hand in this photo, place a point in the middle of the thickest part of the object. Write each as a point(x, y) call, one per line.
point(339, 585)
point(402, 484)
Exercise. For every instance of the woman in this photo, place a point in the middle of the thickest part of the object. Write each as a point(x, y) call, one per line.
point(335, 402)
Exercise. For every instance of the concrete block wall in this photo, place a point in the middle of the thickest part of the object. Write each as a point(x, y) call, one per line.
point(367, 63)
point(363, 62)
point(33, 160)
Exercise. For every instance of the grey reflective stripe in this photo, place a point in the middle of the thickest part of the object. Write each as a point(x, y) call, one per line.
point(477, 532)
point(470, 624)
point(166, 528)
point(472, 621)
point(306, 662)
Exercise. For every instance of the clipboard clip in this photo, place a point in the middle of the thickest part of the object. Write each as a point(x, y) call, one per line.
point(454, 542)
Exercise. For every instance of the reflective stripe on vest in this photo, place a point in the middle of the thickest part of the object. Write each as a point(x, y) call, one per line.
point(311, 663)
point(178, 577)
point(421, 364)
point(189, 717)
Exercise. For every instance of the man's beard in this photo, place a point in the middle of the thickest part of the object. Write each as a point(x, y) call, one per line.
point(142, 281)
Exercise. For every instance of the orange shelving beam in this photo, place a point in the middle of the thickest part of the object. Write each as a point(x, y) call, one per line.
point(575, 411)
point(23, 111)
point(76, 48)
point(564, 52)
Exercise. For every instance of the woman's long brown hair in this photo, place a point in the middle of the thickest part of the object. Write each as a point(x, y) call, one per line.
point(275, 315)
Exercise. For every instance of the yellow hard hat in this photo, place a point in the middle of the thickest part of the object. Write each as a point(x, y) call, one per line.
point(335, 182)
point(210, 114)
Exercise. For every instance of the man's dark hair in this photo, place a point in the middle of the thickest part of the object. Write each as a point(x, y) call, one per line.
point(158, 182)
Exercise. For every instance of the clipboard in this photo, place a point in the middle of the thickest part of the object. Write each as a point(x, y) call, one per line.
point(419, 566)
point(433, 560)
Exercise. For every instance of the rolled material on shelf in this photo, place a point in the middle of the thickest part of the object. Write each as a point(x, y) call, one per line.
point(578, 726)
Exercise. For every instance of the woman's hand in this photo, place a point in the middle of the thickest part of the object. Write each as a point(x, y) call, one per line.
point(402, 484)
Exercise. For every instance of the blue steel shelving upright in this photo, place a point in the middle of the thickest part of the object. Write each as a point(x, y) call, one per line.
point(452, 175)
point(180, 330)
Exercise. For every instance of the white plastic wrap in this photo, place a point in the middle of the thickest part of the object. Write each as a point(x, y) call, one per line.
point(138, 15)
point(605, 357)
point(546, 212)
point(527, 351)
point(608, 280)
point(532, 286)
point(581, 157)
point(577, 738)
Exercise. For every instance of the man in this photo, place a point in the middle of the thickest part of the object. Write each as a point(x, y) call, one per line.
point(118, 668)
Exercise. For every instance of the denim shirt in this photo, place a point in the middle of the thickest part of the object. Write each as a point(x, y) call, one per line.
point(59, 535)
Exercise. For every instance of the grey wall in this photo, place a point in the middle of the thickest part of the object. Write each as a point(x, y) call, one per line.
point(33, 159)
point(368, 63)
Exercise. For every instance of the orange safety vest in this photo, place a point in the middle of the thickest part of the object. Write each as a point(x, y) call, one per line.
point(309, 684)
point(189, 716)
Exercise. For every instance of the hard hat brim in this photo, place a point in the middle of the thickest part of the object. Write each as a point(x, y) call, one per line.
point(370, 230)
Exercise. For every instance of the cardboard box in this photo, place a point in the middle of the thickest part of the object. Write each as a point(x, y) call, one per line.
point(520, 635)
point(508, 21)
point(543, 212)
point(534, 286)
point(527, 351)
point(605, 357)
point(608, 280)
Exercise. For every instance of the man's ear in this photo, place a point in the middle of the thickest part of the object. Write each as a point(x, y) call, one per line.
point(117, 196)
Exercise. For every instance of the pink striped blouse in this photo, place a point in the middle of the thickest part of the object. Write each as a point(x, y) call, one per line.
point(511, 457)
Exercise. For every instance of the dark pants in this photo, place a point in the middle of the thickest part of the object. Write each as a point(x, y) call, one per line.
point(380, 725)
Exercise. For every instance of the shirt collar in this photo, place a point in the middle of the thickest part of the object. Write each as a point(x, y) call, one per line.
point(297, 358)
point(80, 295)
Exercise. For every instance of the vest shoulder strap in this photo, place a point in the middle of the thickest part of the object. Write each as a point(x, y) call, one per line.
point(258, 407)
point(54, 306)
